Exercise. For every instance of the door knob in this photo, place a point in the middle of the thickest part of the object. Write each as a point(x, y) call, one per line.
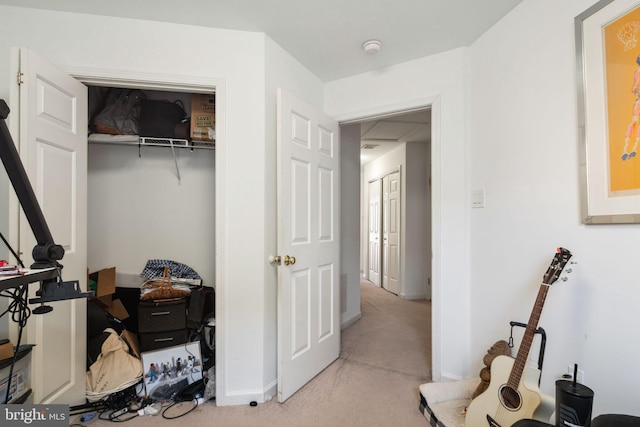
point(289, 260)
point(275, 259)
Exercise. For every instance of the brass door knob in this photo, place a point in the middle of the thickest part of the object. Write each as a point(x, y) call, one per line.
point(289, 260)
point(275, 259)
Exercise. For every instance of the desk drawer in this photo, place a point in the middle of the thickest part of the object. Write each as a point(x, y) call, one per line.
point(154, 341)
point(160, 317)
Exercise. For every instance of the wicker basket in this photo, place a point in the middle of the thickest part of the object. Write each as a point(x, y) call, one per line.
point(162, 289)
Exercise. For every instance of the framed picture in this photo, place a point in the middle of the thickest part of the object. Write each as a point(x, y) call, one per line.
point(169, 370)
point(608, 76)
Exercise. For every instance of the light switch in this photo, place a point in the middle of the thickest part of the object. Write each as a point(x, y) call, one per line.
point(477, 198)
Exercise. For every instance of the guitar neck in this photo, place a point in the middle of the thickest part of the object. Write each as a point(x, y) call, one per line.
point(527, 339)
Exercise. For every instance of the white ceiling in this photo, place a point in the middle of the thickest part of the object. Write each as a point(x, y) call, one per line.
point(325, 36)
point(378, 137)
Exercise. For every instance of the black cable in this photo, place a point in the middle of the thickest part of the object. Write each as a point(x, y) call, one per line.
point(195, 405)
point(117, 401)
point(12, 251)
point(20, 312)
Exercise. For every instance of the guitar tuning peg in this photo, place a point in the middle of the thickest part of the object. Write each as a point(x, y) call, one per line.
point(568, 270)
point(564, 278)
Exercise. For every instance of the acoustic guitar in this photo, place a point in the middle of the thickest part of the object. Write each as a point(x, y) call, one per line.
point(513, 393)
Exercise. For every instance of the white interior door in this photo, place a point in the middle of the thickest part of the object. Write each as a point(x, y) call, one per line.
point(375, 223)
point(308, 230)
point(53, 148)
point(391, 232)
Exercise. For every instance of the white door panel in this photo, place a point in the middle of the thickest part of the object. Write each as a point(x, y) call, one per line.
point(308, 229)
point(53, 148)
point(374, 232)
point(391, 232)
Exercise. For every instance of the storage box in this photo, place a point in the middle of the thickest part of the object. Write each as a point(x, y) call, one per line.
point(6, 350)
point(156, 340)
point(105, 280)
point(203, 117)
point(132, 342)
point(19, 385)
point(21, 378)
point(165, 316)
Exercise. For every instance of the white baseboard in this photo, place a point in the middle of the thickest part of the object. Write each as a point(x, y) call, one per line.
point(245, 397)
point(450, 377)
point(350, 321)
point(413, 297)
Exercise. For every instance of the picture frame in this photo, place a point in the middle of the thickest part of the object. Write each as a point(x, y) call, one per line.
point(608, 79)
point(169, 370)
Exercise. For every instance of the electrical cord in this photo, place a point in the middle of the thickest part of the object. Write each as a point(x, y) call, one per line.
point(12, 251)
point(20, 312)
point(168, 408)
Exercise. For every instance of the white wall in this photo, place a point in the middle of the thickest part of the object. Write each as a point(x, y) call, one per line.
point(417, 216)
point(236, 58)
point(138, 210)
point(438, 80)
point(524, 153)
point(523, 146)
point(350, 224)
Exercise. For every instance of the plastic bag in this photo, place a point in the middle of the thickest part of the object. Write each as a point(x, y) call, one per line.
point(121, 114)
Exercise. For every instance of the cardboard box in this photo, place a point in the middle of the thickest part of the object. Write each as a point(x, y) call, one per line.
point(117, 310)
point(203, 117)
point(6, 351)
point(105, 288)
point(132, 342)
point(105, 280)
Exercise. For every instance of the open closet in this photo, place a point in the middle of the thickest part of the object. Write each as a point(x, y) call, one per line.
point(151, 192)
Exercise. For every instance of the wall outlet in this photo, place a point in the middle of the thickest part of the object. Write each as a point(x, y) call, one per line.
point(580, 375)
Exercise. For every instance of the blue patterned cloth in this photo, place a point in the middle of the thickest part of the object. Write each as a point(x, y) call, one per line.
point(155, 269)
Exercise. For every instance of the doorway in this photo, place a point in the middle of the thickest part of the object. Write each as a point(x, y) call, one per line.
point(396, 203)
point(388, 135)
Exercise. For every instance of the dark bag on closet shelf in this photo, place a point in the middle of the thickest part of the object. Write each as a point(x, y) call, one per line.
point(159, 118)
point(121, 114)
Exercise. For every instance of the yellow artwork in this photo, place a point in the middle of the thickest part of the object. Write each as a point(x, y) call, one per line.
point(622, 69)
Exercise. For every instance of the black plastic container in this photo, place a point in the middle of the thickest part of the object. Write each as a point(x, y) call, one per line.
point(573, 404)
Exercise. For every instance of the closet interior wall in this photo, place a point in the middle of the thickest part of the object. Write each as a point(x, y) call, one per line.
point(148, 202)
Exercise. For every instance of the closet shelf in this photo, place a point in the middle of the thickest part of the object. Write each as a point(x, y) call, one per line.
point(149, 141)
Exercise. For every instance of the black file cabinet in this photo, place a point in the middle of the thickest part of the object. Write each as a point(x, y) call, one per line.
point(162, 324)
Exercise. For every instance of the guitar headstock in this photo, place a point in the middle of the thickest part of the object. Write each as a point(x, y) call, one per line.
point(558, 266)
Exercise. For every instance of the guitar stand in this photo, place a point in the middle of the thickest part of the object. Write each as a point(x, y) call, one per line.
point(543, 342)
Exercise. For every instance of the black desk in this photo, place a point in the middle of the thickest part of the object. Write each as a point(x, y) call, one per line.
point(29, 277)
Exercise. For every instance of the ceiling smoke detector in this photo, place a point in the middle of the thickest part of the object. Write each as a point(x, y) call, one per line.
point(371, 47)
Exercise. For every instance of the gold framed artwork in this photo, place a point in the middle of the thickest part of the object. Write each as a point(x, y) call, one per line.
point(608, 76)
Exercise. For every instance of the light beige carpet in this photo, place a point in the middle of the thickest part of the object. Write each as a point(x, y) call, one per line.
point(385, 357)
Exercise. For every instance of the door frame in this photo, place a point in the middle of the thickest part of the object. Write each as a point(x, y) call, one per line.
point(191, 84)
point(435, 104)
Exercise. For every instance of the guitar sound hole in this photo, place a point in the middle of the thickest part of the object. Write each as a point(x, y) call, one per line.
point(510, 398)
